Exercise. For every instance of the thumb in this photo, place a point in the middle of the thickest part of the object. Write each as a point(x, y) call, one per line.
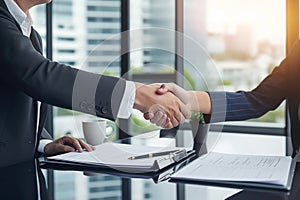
point(176, 90)
point(163, 89)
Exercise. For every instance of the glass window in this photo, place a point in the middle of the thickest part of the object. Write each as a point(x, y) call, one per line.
point(242, 41)
point(152, 48)
point(237, 43)
point(152, 36)
point(84, 39)
point(38, 14)
point(152, 59)
point(85, 36)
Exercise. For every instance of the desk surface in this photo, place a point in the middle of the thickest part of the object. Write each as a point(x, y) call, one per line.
point(26, 180)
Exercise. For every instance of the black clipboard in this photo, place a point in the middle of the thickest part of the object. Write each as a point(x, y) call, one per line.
point(162, 173)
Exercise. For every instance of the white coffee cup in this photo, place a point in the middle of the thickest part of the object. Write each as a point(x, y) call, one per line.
point(96, 131)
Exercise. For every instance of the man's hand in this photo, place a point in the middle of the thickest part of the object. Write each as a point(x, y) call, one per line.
point(66, 144)
point(197, 101)
point(194, 100)
point(169, 109)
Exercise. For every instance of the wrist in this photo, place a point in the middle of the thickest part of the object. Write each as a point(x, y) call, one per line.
point(138, 101)
point(203, 103)
point(193, 101)
point(46, 148)
point(43, 144)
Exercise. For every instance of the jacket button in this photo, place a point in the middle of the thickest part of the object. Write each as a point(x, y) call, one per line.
point(83, 105)
point(90, 107)
point(104, 110)
point(29, 142)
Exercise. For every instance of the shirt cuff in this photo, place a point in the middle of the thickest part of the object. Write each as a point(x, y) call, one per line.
point(43, 143)
point(127, 102)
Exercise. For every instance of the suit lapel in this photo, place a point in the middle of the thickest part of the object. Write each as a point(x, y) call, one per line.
point(37, 43)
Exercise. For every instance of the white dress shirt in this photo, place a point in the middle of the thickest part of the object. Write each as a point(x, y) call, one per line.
point(25, 22)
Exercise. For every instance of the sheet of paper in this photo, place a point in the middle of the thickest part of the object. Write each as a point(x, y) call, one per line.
point(114, 155)
point(243, 168)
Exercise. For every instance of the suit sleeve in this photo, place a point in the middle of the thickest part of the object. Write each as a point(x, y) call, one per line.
point(243, 105)
point(25, 69)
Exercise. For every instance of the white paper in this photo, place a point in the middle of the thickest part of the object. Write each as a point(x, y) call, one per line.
point(239, 168)
point(114, 155)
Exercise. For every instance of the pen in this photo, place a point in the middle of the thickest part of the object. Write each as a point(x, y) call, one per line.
point(151, 155)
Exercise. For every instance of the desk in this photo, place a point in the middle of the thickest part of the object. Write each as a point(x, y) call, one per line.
point(25, 180)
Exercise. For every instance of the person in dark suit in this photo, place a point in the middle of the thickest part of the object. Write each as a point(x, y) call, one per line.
point(24, 180)
point(27, 78)
point(281, 84)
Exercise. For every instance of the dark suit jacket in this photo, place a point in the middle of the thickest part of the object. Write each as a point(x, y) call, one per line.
point(27, 77)
point(24, 180)
point(281, 84)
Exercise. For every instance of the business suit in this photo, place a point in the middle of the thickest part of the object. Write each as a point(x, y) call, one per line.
point(281, 84)
point(24, 180)
point(27, 77)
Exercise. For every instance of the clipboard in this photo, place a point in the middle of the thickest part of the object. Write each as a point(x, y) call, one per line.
point(157, 176)
point(242, 184)
point(145, 166)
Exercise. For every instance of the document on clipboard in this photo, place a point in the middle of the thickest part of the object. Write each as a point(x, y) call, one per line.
point(126, 157)
point(241, 170)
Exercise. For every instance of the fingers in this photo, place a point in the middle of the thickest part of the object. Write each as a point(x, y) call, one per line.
point(159, 108)
point(185, 110)
point(162, 120)
point(67, 144)
point(176, 119)
point(161, 114)
point(181, 93)
point(73, 142)
point(70, 144)
point(158, 113)
point(164, 88)
point(168, 125)
point(170, 116)
point(64, 149)
point(57, 147)
point(86, 146)
point(159, 118)
point(181, 113)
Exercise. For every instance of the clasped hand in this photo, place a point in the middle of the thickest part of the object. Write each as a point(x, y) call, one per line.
point(197, 101)
point(162, 105)
point(66, 144)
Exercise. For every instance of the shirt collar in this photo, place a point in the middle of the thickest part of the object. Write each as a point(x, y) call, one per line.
point(23, 19)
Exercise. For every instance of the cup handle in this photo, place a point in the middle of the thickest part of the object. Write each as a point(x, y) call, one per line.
point(107, 136)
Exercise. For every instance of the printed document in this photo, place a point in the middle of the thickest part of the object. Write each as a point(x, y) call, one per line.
point(237, 168)
point(117, 156)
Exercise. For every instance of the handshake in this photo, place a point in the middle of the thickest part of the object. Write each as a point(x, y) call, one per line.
point(168, 105)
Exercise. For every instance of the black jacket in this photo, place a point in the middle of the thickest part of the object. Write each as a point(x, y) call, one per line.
point(283, 83)
point(27, 77)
